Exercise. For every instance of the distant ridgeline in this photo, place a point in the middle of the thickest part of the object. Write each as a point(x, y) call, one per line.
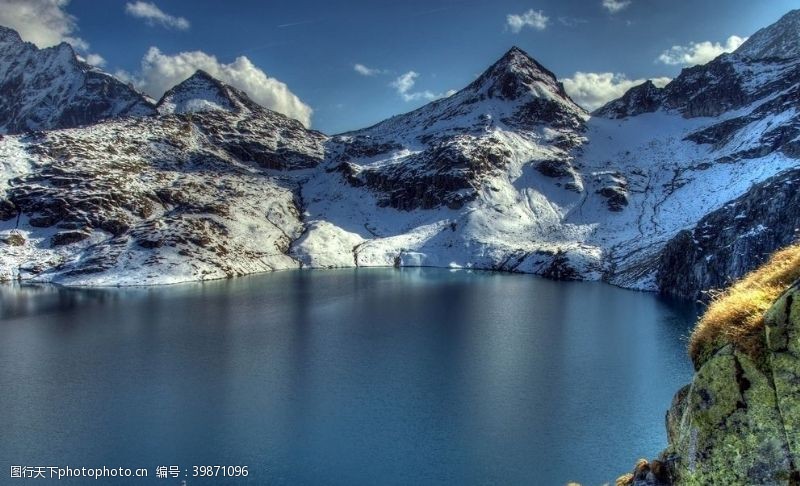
point(677, 189)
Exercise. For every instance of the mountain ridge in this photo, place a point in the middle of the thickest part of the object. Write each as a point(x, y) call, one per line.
point(780, 40)
point(506, 174)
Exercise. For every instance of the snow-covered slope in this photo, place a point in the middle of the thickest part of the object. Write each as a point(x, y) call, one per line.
point(481, 179)
point(161, 199)
point(510, 174)
point(42, 89)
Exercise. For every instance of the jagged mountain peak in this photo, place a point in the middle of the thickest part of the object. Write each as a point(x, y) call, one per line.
point(779, 40)
point(203, 92)
point(52, 88)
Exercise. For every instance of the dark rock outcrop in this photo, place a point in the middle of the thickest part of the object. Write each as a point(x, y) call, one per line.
point(614, 188)
point(732, 240)
point(645, 98)
point(68, 237)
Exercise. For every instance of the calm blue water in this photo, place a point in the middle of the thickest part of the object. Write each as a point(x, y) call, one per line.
point(345, 377)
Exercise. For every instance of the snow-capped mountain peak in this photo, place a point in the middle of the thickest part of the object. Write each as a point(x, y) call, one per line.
point(779, 40)
point(202, 92)
point(517, 74)
point(516, 91)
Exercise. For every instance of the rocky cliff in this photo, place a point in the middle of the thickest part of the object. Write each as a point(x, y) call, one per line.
point(733, 240)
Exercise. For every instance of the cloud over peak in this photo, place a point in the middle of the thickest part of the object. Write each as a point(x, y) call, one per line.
point(153, 15)
point(405, 83)
point(593, 90)
point(160, 71)
point(699, 52)
point(535, 19)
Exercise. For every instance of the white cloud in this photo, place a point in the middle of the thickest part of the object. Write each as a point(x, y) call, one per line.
point(572, 21)
point(160, 71)
point(44, 23)
point(95, 60)
point(366, 71)
point(615, 6)
point(699, 52)
point(593, 90)
point(404, 84)
point(535, 19)
point(153, 15)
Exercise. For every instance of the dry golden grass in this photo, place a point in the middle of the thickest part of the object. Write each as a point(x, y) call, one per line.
point(624, 480)
point(736, 315)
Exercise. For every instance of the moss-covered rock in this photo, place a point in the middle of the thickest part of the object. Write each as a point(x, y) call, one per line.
point(783, 341)
point(738, 423)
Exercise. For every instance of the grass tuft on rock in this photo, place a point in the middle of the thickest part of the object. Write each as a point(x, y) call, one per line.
point(736, 315)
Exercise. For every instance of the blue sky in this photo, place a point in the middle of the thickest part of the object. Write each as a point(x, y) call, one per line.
point(312, 46)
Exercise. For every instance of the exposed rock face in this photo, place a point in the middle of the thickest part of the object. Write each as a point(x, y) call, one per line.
point(732, 241)
point(42, 89)
point(729, 82)
point(707, 90)
point(647, 473)
point(737, 423)
point(614, 188)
